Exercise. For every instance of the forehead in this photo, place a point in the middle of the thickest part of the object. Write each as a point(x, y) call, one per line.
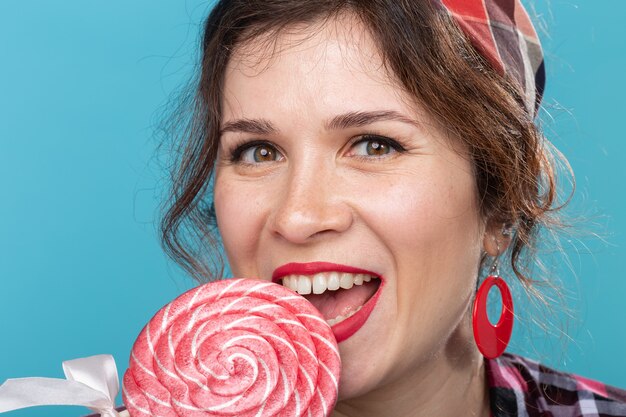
point(344, 34)
point(326, 67)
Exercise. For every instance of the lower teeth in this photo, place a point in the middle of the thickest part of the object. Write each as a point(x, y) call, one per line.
point(341, 318)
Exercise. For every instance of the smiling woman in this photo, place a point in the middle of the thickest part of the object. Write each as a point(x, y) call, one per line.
point(407, 216)
point(80, 187)
point(375, 157)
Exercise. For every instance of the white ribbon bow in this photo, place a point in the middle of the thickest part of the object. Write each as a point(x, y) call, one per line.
point(91, 382)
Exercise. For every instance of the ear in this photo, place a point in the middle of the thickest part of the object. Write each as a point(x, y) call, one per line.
point(497, 238)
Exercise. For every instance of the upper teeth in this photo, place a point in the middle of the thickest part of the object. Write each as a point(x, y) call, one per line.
point(318, 283)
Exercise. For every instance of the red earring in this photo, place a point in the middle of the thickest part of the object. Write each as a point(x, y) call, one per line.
point(492, 339)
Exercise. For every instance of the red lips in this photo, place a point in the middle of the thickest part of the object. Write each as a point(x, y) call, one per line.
point(346, 328)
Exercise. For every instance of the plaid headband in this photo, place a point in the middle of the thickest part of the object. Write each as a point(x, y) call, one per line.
point(502, 32)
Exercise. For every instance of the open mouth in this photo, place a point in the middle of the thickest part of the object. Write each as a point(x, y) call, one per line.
point(337, 295)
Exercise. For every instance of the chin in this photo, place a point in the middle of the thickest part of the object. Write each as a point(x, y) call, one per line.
point(358, 377)
point(350, 388)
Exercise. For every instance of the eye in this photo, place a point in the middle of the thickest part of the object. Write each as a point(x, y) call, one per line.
point(376, 146)
point(256, 153)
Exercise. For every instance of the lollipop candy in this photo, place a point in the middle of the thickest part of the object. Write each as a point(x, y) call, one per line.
point(238, 347)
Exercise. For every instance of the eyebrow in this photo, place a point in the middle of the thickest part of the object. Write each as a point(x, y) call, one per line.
point(342, 121)
point(362, 118)
point(254, 126)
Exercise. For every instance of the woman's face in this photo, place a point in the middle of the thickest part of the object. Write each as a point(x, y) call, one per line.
point(327, 168)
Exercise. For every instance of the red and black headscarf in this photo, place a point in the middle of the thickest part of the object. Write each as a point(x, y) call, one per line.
point(502, 32)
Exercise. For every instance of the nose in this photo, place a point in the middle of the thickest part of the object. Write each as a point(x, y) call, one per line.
point(312, 205)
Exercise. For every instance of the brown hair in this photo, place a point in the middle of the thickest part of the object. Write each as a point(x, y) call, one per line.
point(433, 61)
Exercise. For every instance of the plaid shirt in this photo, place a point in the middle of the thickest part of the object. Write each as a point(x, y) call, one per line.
point(520, 387)
point(525, 388)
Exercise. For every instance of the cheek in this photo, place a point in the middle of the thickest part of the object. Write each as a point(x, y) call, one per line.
point(238, 209)
point(415, 212)
point(432, 228)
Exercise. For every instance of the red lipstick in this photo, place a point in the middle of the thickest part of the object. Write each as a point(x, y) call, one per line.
point(346, 328)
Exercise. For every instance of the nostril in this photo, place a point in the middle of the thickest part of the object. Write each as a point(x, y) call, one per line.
point(303, 216)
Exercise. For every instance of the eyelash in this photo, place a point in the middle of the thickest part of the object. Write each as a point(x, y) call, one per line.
point(370, 137)
point(239, 149)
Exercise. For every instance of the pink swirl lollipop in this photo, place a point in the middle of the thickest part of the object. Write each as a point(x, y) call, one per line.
point(238, 347)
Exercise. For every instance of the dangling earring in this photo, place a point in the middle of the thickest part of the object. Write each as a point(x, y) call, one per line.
point(492, 339)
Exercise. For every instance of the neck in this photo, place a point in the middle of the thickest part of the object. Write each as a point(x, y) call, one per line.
point(453, 383)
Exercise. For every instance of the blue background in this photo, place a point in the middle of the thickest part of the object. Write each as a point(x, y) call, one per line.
point(82, 87)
